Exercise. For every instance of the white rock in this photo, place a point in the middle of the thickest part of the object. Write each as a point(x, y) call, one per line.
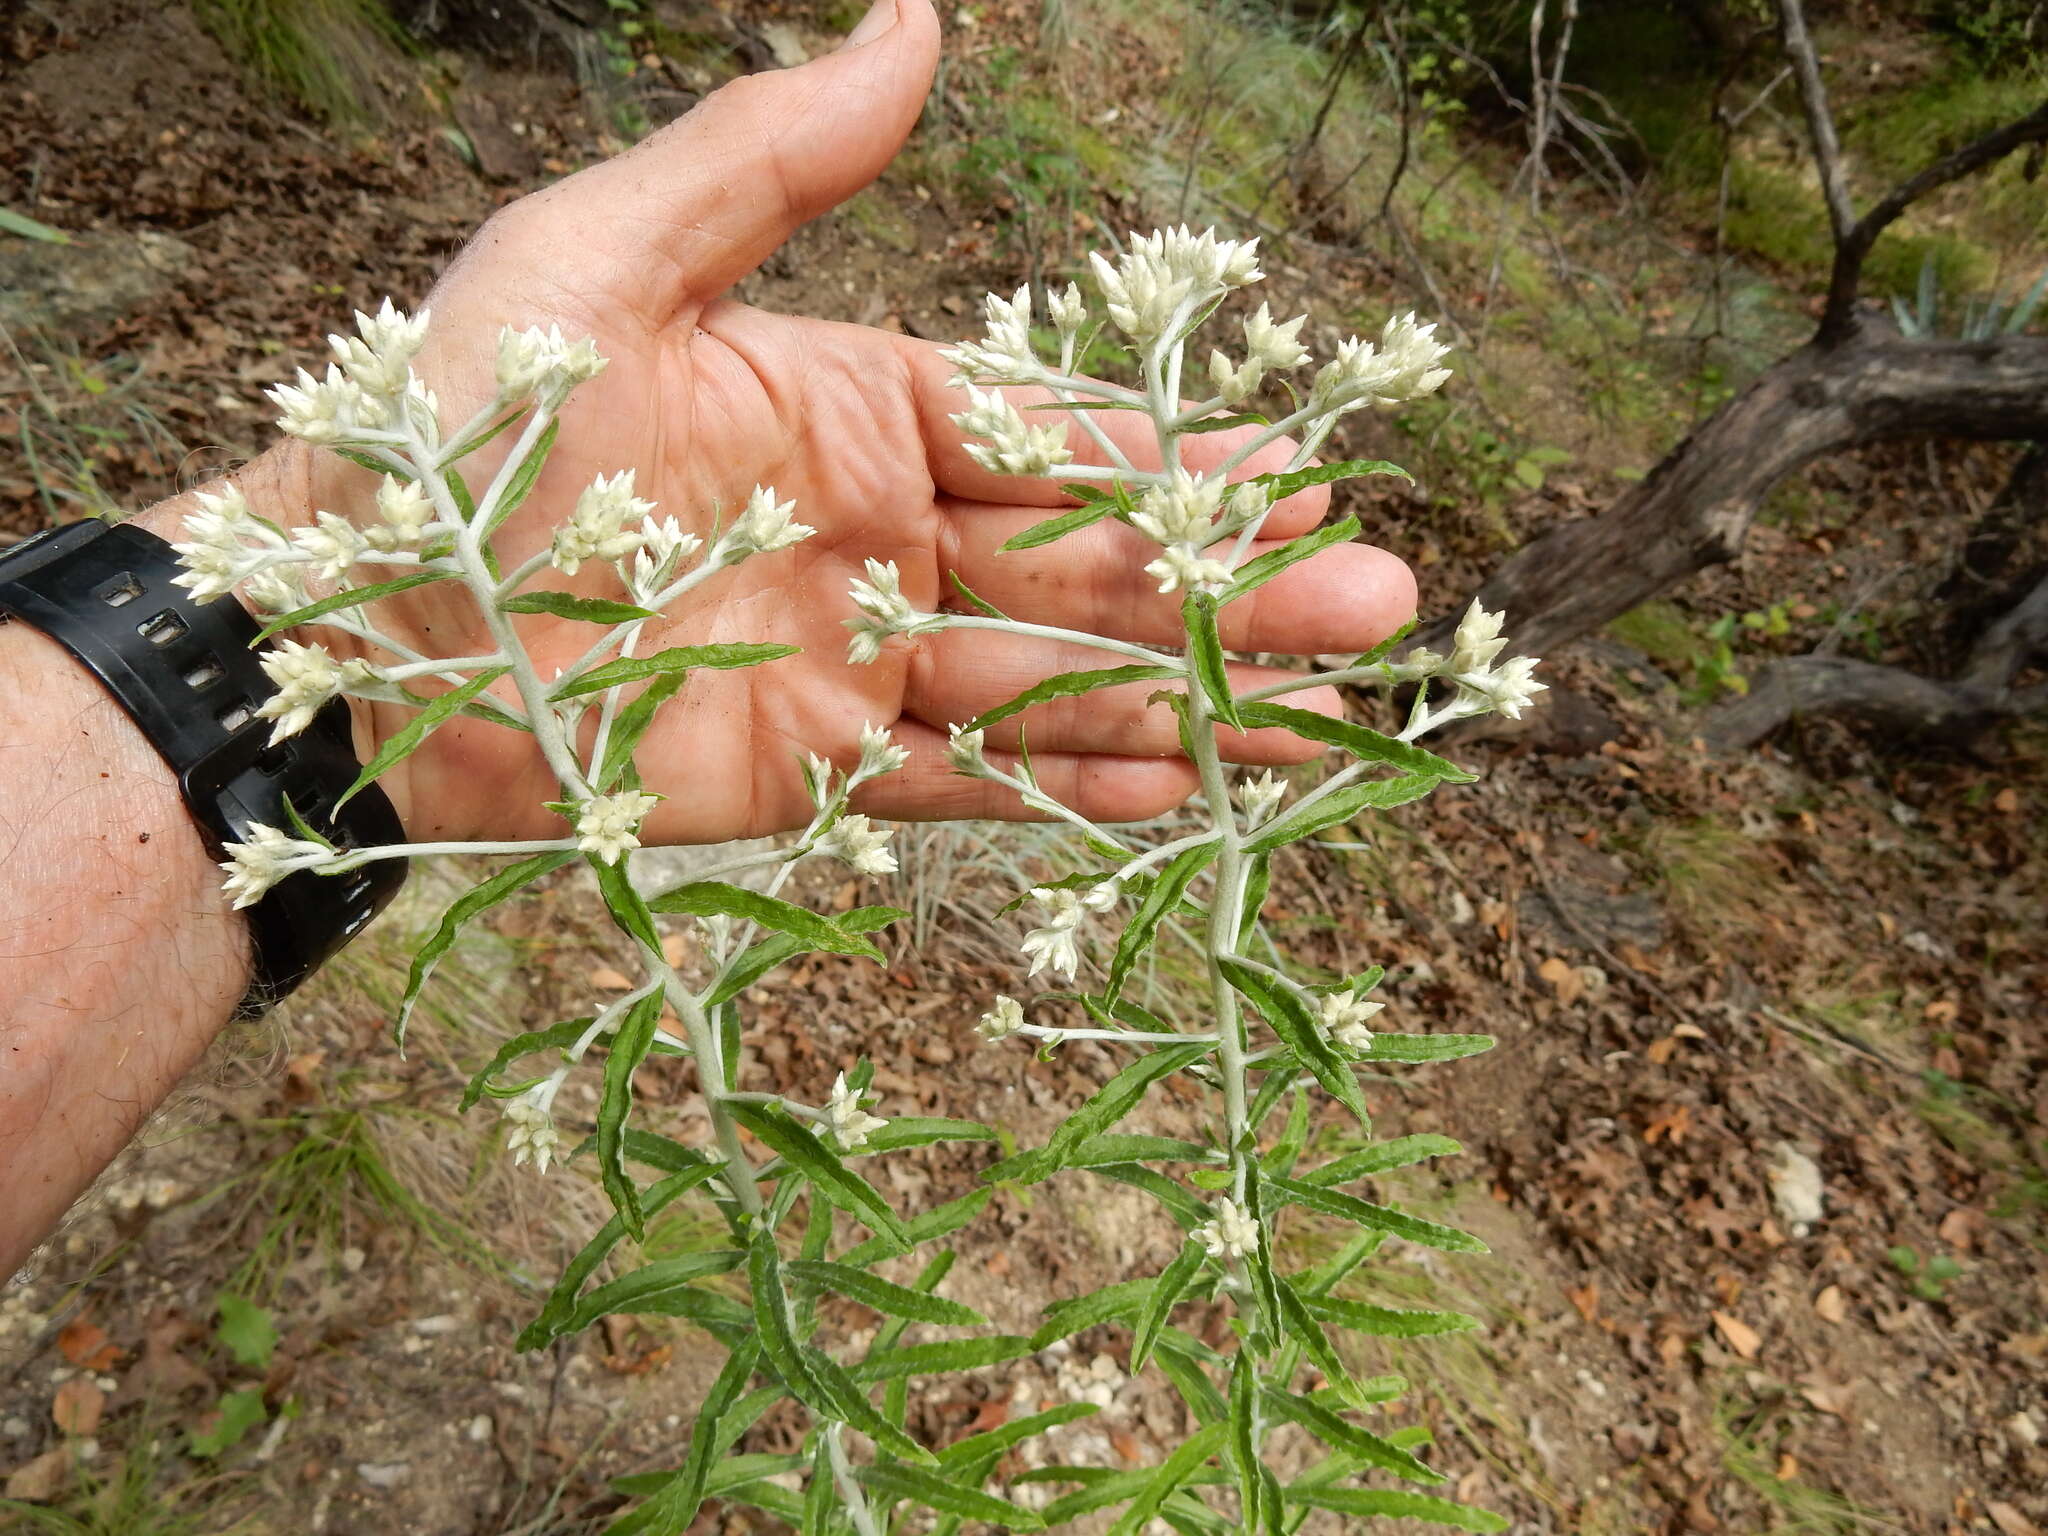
point(383, 1474)
point(1796, 1188)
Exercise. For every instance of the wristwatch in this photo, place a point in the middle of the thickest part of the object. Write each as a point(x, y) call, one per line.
point(185, 673)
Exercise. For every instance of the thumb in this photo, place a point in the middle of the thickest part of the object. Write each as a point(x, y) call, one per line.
point(678, 219)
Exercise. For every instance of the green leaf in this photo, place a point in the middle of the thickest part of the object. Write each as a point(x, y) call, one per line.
point(935, 1492)
point(1299, 1030)
point(567, 605)
point(631, 723)
point(1360, 741)
point(922, 1131)
point(1414, 1049)
point(12, 223)
point(772, 1498)
point(1254, 574)
point(933, 1224)
point(1172, 1473)
point(993, 1442)
point(348, 598)
point(521, 483)
point(1164, 896)
point(625, 1051)
point(488, 893)
point(464, 450)
point(239, 1412)
point(554, 1037)
point(1387, 1322)
point(1258, 881)
point(763, 957)
point(246, 1330)
point(1243, 1428)
point(1054, 528)
point(1205, 655)
point(1300, 1325)
point(714, 898)
point(777, 1328)
point(1097, 1150)
point(1330, 1202)
point(1070, 685)
point(408, 737)
point(1385, 648)
point(678, 658)
point(1107, 1105)
point(983, 604)
point(663, 1289)
point(946, 1355)
point(1282, 485)
point(1311, 817)
point(561, 1303)
point(1183, 1207)
point(1076, 1314)
point(1223, 423)
point(884, 1295)
point(1385, 1155)
point(1172, 1283)
point(465, 503)
point(1342, 1434)
point(810, 1157)
point(1396, 1504)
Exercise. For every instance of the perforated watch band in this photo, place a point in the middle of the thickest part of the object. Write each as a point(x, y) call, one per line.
point(185, 673)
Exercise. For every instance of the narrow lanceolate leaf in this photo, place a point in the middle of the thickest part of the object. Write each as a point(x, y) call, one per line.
point(935, 1492)
point(763, 957)
point(12, 223)
point(1224, 423)
point(677, 658)
point(936, 1223)
point(1068, 685)
point(624, 902)
point(922, 1131)
point(849, 1399)
point(777, 1328)
point(1300, 1325)
point(1299, 1030)
point(948, 1355)
point(349, 598)
point(1064, 1319)
point(1172, 1282)
point(627, 1049)
point(631, 724)
point(1342, 1435)
point(551, 1324)
point(1109, 1104)
point(1054, 528)
point(407, 737)
point(1385, 648)
point(1387, 1322)
point(1330, 1202)
point(1398, 1153)
point(1183, 1207)
point(671, 1510)
point(465, 503)
point(1205, 655)
point(993, 1442)
point(1243, 1431)
point(1097, 1150)
point(714, 898)
point(1359, 740)
point(1281, 485)
point(980, 603)
point(478, 898)
point(883, 1295)
point(1311, 817)
point(819, 1164)
point(1164, 896)
point(1421, 1048)
point(1254, 574)
point(521, 483)
point(567, 605)
point(555, 1037)
point(664, 1289)
point(1396, 1504)
point(1172, 1474)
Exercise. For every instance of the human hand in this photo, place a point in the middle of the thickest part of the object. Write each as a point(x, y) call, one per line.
point(706, 397)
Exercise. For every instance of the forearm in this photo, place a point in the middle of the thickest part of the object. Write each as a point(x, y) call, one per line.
point(120, 960)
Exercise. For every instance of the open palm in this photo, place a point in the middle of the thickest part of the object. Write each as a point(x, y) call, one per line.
point(705, 397)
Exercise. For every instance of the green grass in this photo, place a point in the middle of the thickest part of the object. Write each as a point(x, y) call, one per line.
point(332, 57)
point(75, 417)
point(1753, 1438)
point(145, 1494)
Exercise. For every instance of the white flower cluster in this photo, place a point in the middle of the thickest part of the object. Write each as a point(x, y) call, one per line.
point(405, 516)
point(1268, 346)
point(596, 529)
point(1004, 354)
point(763, 528)
point(1157, 285)
point(664, 546)
point(226, 545)
point(1055, 942)
point(966, 752)
point(1187, 514)
point(1261, 797)
point(609, 825)
point(1344, 1016)
point(533, 1137)
point(539, 365)
point(306, 677)
point(1482, 680)
point(360, 397)
point(1014, 446)
point(861, 845)
point(884, 611)
point(848, 1124)
point(1002, 1020)
point(1229, 1233)
point(268, 856)
point(1403, 366)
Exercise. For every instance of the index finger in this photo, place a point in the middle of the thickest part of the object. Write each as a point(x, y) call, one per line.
point(956, 473)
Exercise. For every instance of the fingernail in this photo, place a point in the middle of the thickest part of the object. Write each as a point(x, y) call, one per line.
point(880, 18)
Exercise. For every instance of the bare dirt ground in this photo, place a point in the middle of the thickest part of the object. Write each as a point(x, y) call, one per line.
point(1712, 984)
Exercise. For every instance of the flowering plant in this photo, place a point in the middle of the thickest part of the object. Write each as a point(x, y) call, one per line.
point(1259, 1039)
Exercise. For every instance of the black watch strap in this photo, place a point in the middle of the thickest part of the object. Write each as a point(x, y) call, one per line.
point(186, 674)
